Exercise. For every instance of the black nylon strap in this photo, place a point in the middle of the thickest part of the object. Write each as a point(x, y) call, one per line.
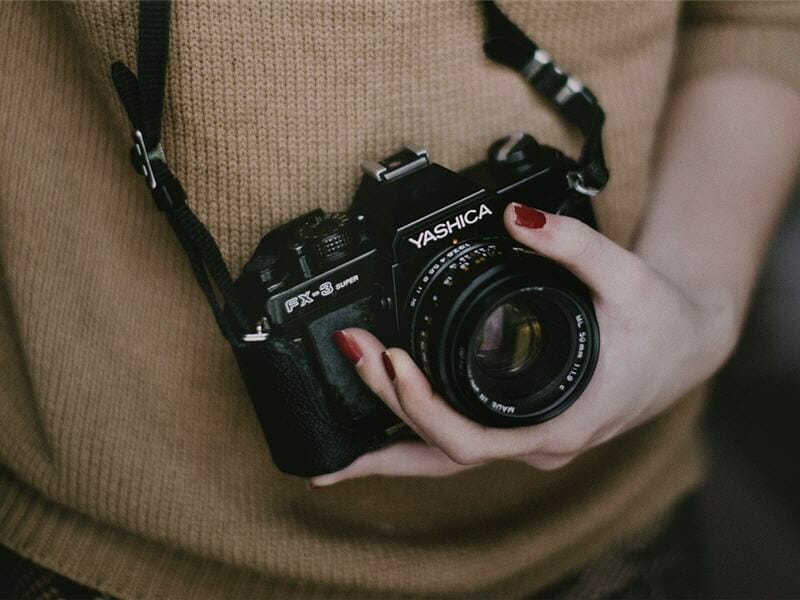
point(506, 44)
point(151, 64)
point(143, 99)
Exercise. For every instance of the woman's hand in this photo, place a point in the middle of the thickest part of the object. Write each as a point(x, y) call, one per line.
point(657, 342)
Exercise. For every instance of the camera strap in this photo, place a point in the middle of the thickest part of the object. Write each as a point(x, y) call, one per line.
point(506, 44)
point(143, 99)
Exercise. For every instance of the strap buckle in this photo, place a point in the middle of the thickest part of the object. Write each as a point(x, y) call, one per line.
point(167, 191)
point(142, 157)
point(576, 182)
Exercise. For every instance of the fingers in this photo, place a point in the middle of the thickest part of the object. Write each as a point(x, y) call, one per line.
point(608, 269)
point(456, 435)
point(463, 440)
point(409, 395)
point(403, 459)
point(454, 442)
point(396, 379)
point(364, 350)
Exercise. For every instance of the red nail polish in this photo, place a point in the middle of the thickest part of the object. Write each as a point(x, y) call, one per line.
point(387, 364)
point(526, 216)
point(347, 346)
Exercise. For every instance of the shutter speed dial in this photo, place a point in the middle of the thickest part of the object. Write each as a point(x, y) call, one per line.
point(329, 237)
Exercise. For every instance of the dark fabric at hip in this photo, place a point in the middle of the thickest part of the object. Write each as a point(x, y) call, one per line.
point(668, 560)
point(23, 579)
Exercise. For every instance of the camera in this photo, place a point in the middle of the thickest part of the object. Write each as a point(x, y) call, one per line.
point(422, 260)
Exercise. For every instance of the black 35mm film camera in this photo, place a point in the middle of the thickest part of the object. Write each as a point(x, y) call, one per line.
point(422, 260)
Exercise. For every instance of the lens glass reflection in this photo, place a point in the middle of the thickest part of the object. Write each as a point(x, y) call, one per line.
point(508, 340)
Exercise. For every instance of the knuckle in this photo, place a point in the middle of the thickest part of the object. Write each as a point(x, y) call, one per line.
point(639, 277)
point(581, 241)
point(635, 285)
point(581, 248)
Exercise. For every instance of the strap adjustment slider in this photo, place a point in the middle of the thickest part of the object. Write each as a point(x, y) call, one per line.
point(573, 86)
point(538, 61)
point(166, 190)
point(142, 158)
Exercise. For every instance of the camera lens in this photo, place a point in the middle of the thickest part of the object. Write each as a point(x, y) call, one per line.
point(508, 340)
point(505, 335)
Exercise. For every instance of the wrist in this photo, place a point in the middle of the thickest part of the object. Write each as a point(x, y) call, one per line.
point(717, 318)
point(714, 312)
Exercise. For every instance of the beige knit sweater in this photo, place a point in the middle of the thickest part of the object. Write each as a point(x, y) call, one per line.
point(130, 457)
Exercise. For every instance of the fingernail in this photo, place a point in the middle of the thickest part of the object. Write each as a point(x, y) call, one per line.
point(347, 346)
point(387, 364)
point(526, 216)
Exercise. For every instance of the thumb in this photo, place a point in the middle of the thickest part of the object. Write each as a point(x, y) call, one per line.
point(597, 261)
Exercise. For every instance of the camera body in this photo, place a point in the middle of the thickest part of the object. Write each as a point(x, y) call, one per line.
point(420, 259)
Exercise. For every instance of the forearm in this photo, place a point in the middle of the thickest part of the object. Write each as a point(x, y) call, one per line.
point(730, 149)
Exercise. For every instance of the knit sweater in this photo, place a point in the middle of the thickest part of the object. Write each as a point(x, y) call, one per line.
point(130, 456)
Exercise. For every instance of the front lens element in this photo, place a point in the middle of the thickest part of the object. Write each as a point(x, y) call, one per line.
point(508, 340)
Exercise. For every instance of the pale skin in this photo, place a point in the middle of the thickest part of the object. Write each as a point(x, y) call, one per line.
point(670, 309)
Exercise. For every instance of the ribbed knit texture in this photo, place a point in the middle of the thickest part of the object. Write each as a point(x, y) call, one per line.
point(130, 457)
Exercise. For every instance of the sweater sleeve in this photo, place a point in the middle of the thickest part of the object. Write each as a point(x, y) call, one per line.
point(755, 36)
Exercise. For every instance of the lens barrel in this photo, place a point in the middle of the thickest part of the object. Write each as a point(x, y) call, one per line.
point(505, 335)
